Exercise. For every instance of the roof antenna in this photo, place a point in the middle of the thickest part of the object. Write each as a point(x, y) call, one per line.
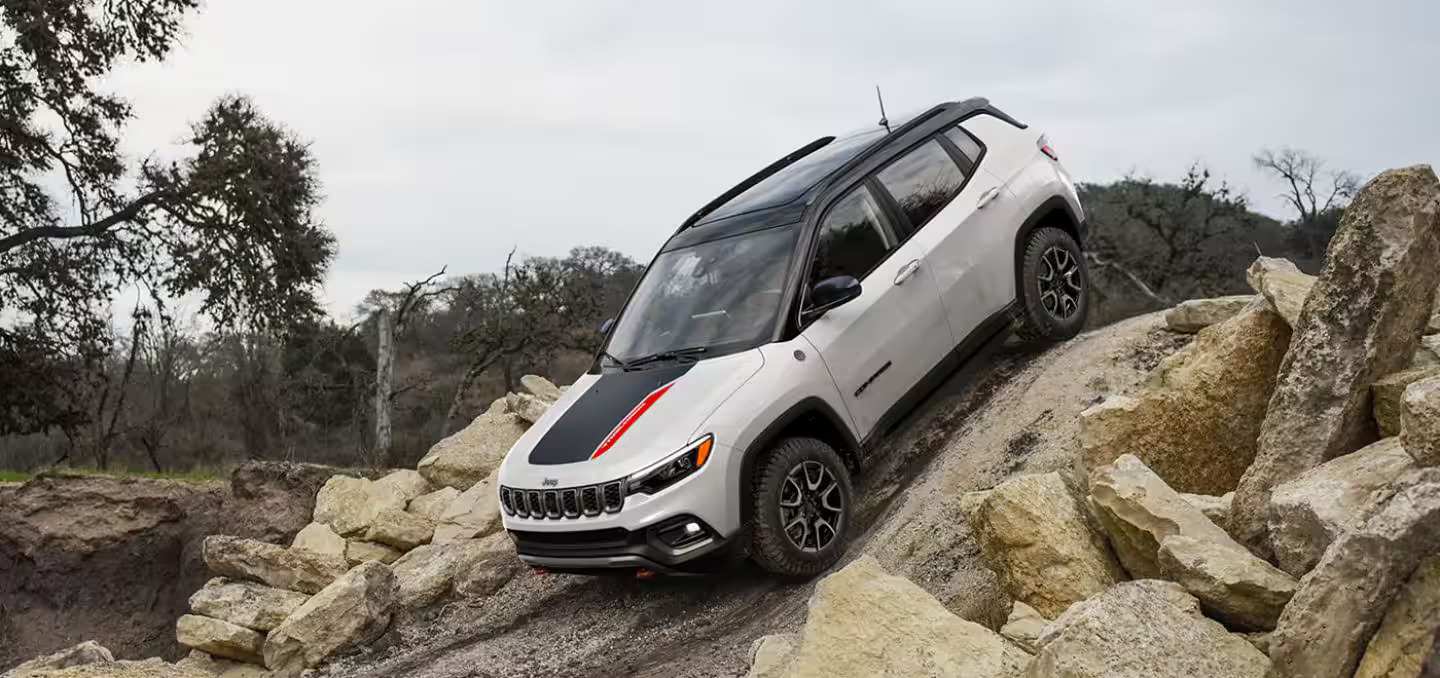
point(884, 121)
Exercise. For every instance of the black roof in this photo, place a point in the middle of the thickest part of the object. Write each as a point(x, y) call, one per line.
point(780, 193)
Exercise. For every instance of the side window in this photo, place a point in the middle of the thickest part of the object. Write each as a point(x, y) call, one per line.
point(851, 240)
point(922, 182)
point(966, 143)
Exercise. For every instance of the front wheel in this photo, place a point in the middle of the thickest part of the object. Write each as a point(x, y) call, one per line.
point(1054, 287)
point(802, 507)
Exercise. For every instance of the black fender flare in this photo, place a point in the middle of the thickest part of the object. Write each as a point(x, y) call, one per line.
point(805, 407)
point(1050, 206)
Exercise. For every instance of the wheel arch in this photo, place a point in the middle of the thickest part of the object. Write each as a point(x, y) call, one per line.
point(812, 417)
point(1055, 212)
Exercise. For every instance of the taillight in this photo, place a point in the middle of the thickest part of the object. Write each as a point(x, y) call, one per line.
point(1045, 148)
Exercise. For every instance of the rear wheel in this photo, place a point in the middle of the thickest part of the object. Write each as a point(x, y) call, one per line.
point(1054, 287)
point(802, 507)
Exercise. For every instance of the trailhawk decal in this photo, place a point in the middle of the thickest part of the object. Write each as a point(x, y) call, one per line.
point(601, 415)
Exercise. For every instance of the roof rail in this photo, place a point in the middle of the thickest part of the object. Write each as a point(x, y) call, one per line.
point(755, 178)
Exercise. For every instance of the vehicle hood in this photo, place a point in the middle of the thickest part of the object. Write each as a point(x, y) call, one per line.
point(610, 425)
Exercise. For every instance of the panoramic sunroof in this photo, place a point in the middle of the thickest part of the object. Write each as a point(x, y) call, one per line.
point(792, 181)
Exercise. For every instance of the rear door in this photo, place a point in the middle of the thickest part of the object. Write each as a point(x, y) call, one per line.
point(963, 217)
point(880, 344)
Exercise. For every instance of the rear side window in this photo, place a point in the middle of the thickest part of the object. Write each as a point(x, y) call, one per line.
point(922, 182)
point(851, 240)
point(966, 143)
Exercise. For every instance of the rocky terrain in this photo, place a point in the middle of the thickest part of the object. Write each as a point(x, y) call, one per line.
point(1246, 486)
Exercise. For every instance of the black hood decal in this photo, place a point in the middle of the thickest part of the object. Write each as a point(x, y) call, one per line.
point(578, 432)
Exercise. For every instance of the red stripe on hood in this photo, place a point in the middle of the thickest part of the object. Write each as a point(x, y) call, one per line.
point(629, 419)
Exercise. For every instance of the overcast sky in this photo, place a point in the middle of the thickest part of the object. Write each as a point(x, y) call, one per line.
point(449, 132)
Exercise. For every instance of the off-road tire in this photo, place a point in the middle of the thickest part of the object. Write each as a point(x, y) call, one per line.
point(1034, 323)
point(769, 546)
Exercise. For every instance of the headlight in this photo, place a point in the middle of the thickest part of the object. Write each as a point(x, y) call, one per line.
point(671, 469)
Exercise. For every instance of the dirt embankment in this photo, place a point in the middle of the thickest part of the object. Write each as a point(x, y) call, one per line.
point(1008, 412)
point(116, 559)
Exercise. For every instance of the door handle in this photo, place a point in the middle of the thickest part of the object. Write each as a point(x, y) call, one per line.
point(907, 271)
point(987, 197)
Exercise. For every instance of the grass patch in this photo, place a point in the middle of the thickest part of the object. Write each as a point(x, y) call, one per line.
point(195, 476)
point(13, 476)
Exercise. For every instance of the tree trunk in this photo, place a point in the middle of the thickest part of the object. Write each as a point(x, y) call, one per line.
point(384, 380)
point(465, 381)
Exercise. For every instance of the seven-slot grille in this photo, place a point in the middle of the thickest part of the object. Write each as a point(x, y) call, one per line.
point(569, 502)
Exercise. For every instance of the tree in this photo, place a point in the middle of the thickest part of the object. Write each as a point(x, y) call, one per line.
point(1317, 195)
point(232, 222)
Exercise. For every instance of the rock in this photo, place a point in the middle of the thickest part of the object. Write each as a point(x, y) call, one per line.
point(1398, 649)
point(149, 668)
point(431, 572)
point(206, 664)
point(1195, 419)
point(432, 506)
point(354, 610)
point(220, 638)
point(88, 652)
point(1387, 393)
point(1282, 284)
point(408, 484)
point(1142, 629)
point(472, 453)
point(1138, 511)
point(275, 499)
point(473, 514)
point(528, 407)
point(1024, 626)
point(1309, 512)
point(243, 603)
point(1428, 355)
point(301, 570)
point(540, 387)
point(348, 505)
point(359, 551)
point(1324, 629)
point(1420, 421)
point(401, 529)
point(492, 570)
point(1361, 321)
point(1037, 538)
point(865, 622)
point(1261, 641)
point(1233, 586)
point(319, 538)
point(1217, 509)
point(1197, 314)
point(770, 655)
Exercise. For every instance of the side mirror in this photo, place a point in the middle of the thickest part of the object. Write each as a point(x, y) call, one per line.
point(831, 293)
point(605, 326)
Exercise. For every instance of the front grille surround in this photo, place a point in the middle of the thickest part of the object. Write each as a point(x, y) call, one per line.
point(568, 503)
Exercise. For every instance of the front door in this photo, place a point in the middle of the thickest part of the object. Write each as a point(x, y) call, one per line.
point(882, 343)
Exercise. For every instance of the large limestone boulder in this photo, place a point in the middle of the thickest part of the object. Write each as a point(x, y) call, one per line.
point(1361, 321)
point(1420, 421)
point(348, 505)
point(1195, 419)
point(864, 622)
point(1399, 648)
point(1217, 509)
point(474, 513)
point(1233, 586)
point(354, 610)
point(1324, 629)
point(1197, 314)
point(1024, 626)
point(491, 571)
point(220, 638)
point(432, 506)
point(88, 652)
point(408, 484)
point(294, 570)
point(319, 538)
point(360, 551)
point(540, 387)
point(1282, 284)
point(770, 656)
point(431, 572)
point(1387, 393)
point(400, 529)
point(526, 406)
point(469, 455)
point(1143, 629)
point(1037, 538)
point(253, 606)
point(1311, 511)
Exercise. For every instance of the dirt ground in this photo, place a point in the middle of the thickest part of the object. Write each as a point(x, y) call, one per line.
point(1009, 412)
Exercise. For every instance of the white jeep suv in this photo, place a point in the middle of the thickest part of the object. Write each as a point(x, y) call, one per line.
point(779, 333)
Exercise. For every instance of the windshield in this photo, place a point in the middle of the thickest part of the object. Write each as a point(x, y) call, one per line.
point(718, 295)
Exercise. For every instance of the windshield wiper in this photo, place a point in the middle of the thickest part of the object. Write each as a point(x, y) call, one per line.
point(677, 354)
point(613, 359)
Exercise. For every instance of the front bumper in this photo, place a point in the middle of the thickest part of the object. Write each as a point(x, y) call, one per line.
point(607, 550)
